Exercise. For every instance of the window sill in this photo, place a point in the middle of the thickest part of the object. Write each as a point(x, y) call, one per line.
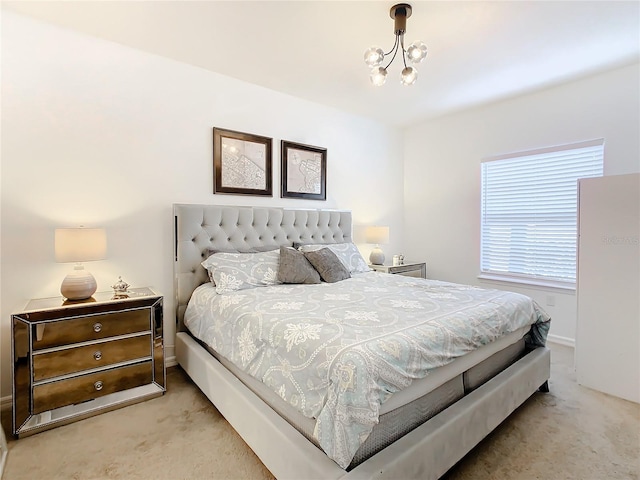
point(529, 282)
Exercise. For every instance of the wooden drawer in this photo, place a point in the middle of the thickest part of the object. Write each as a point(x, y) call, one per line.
point(95, 327)
point(87, 387)
point(100, 354)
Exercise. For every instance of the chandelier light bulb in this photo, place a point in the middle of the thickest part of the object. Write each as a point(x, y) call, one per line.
point(374, 56)
point(409, 76)
point(417, 52)
point(378, 76)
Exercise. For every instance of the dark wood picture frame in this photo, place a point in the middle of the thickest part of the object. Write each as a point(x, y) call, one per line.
point(303, 171)
point(242, 163)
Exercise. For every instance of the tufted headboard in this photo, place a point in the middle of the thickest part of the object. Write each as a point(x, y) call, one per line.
point(199, 228)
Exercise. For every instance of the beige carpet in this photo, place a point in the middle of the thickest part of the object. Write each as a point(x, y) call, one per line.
point(570, 433)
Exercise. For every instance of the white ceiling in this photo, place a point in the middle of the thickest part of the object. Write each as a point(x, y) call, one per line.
point(479, 51)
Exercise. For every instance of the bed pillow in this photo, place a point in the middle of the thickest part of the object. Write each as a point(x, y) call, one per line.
point(211, 251)
point(295, 268)
point(239, 271)
point(328, 265)
point(264, 248)
point(347, 252)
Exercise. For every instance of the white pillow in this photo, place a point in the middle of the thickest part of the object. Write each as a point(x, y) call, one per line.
point(348, 254)
point(238, 271)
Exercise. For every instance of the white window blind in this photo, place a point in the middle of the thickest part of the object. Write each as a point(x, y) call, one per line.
point(529, 212)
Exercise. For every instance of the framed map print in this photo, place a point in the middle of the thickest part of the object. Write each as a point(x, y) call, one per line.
point(241, 163)
point(304, 171)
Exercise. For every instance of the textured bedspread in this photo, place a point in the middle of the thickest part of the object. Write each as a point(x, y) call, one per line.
point(337, 351)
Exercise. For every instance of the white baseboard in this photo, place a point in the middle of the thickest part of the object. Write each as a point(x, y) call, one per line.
point(170, 361)
point(170, 356)
point(566, 341)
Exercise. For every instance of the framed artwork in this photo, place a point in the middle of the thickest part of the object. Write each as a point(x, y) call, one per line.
point(241, 163)
point(304, 171)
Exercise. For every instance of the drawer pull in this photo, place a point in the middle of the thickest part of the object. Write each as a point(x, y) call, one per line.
point(98, 385)
point(97, 355)
point(97, 327)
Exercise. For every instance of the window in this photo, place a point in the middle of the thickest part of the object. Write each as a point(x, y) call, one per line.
point(529, 213)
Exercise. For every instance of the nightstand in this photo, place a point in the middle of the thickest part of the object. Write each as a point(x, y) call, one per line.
point(412, 269)
point(73, 360)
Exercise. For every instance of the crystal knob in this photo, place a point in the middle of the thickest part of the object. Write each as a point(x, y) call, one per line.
point(97, 327)
point(98, 385)
point(97, 355)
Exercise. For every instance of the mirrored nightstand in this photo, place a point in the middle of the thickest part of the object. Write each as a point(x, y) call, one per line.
point(73, 360)
point(413, 269)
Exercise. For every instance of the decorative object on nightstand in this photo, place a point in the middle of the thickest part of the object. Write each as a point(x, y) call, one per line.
point(120, 289)
point(74, 361)
point(79, 245)
point(398, 260)
point(377, 236)
point(411, 269)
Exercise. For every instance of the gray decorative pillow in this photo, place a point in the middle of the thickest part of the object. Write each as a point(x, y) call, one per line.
point(295, 268)
point(328, 265)
point(347, 252)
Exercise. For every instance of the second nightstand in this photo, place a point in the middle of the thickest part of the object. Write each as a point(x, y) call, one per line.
point(409, 268)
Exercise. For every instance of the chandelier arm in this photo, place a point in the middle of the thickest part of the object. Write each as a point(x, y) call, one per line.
point(395, 44)
point(404, 59)
point(395, 52)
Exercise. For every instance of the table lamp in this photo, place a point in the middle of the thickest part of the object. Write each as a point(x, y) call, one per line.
point(377, 235)
point(79, 245)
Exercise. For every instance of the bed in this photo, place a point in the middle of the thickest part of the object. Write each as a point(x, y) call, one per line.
point(422, 426)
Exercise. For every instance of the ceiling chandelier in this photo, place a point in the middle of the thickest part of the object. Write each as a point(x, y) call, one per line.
point(417, 51)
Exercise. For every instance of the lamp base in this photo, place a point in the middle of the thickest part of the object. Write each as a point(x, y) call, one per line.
point(78, 285)
point(377, 256)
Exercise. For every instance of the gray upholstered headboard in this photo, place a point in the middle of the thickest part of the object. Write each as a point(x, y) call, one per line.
point(199, 228)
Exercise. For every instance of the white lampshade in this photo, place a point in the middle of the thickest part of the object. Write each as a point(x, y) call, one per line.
point(79, 245)
point(377, 235)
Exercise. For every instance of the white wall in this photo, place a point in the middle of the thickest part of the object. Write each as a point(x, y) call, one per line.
point(442, 170)
point(98, 134)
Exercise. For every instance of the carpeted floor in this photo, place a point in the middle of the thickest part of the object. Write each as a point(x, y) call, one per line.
point(570, 433)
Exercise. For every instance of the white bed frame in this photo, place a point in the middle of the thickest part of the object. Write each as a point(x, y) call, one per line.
point(427, 452)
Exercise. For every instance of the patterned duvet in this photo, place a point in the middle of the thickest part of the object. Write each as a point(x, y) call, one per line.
point(337, 351)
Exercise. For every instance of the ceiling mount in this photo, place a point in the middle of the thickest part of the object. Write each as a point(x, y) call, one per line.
point(400, 13)
point(417, 51)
